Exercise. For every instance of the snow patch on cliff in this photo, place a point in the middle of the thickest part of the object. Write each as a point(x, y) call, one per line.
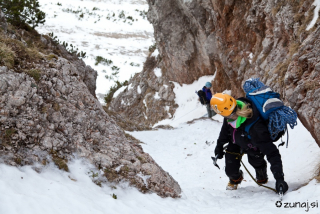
point(187, 99)
point(315, 14)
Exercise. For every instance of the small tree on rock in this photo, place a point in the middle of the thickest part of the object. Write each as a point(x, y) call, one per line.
point(22, 12)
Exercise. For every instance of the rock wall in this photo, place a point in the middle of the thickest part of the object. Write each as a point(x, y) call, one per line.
point(49, 113)
point(237, 40)
point(148, 98)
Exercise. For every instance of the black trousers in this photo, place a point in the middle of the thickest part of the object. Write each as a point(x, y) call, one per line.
point(255, 158)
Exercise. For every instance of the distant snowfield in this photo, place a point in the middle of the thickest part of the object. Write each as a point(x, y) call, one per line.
point(115, 30)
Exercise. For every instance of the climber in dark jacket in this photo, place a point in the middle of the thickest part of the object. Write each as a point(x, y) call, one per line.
point(237, 114)
point(207, 91)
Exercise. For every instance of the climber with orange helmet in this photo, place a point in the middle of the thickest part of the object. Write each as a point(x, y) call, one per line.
point(237, 114)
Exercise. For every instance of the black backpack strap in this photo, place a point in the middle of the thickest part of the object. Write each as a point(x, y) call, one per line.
point(248, 127)
point(287, 137)
point(282, 142)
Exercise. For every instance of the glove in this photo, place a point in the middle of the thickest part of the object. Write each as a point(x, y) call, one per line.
point(219, 151)
point(283, 184)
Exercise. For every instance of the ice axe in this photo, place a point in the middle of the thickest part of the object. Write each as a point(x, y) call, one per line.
point(216, 158)
point(215, 161)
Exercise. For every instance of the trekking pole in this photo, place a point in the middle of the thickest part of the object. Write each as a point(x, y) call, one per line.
point(216, 157)
point(281, 193)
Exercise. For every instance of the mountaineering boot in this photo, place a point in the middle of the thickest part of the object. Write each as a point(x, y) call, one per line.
point(233, 183)
point(261, 175)
point(231, 186)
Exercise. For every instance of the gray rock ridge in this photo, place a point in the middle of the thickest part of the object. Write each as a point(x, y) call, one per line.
point(236, 40)
point(148, 98)
point(49, 113)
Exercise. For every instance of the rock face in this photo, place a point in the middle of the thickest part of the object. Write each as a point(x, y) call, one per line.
point(236, 40)
point(49, 113)
point(302, 83)
point(148, 98)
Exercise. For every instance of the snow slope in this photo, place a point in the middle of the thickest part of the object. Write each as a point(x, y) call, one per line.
point(186, 156)
point(184, 153)
point(189, 106)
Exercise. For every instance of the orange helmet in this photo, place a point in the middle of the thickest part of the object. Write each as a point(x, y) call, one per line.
point(223, 104)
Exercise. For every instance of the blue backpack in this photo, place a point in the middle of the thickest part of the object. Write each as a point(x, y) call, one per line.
point(271, 109)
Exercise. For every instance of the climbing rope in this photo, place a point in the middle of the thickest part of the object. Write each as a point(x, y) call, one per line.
point(186, 114)
point(240, 156)
point(251, 84)
point(279, 118)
